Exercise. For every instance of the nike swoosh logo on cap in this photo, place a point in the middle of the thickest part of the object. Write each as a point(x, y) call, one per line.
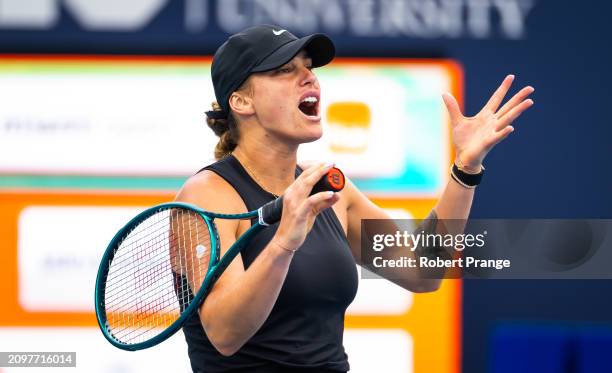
point(277, 33)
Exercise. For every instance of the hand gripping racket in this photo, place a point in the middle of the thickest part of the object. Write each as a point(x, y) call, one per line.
point(160, 266)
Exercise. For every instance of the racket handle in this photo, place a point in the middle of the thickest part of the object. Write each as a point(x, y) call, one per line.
point(272, 211)
point(333, 181)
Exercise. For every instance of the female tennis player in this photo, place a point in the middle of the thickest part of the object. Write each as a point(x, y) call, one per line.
point(280, 305)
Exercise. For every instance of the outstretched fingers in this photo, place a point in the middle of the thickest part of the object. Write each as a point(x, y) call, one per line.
point(498, 136)
point(514, 113)
point(515, 100)
point(498, 96)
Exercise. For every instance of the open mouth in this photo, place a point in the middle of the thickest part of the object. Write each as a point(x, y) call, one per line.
point(310, 106)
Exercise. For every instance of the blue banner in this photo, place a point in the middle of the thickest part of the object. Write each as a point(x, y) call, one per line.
point(198, 26)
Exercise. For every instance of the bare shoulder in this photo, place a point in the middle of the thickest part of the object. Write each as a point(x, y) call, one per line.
point(211, 192)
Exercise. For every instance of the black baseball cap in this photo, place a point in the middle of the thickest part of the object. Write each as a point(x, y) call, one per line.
point(258, 49)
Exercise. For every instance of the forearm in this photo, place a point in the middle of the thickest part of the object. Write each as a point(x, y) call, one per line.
point(410, 278)
point(455, 202)
point(418, 281)
point(239, 309)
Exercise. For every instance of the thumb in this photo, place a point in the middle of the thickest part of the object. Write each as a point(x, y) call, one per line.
point(453, 108)
point(320, 201)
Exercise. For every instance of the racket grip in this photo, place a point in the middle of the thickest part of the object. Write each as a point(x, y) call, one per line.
point(333, 181)
point(272, 211)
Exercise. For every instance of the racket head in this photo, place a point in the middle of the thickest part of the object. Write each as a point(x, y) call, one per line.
point(154, 274)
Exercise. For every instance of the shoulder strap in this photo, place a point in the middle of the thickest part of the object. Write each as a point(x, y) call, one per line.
point(232, 171)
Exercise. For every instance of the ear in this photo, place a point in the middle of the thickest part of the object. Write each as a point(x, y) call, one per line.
point(241, 104)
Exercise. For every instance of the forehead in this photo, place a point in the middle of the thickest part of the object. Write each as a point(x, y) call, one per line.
point(302, 55)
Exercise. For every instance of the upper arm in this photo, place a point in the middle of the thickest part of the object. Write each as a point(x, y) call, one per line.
point(211, 192)
point(359, 207)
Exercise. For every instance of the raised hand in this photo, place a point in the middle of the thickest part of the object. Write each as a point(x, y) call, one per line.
point(473, 137)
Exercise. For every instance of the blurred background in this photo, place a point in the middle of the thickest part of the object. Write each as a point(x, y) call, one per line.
point(102, 114)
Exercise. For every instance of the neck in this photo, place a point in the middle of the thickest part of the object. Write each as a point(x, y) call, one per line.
point(272, 165)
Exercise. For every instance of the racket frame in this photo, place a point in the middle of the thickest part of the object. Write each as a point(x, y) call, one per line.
point(215, 268)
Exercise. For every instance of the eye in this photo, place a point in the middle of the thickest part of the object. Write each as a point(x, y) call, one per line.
point(284, 69)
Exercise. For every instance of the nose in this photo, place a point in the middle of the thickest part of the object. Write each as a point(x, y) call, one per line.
point(309, 78)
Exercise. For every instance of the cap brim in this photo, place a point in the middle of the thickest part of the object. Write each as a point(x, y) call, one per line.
point(319, 47)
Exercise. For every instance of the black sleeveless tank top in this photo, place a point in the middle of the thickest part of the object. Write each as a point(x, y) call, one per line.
point(304, 330)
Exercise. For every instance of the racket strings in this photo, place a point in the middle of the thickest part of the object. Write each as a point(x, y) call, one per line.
point(154, 306)
point(156, 270)
point(141, 235)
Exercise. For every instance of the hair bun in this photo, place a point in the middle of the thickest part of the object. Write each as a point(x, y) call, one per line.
point(218, 124)
point(225, 128)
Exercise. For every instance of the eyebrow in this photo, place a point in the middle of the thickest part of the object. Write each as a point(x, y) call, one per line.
point(303, 54)
point(307, 60)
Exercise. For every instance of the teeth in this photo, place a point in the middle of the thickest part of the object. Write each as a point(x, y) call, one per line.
point(310, 99)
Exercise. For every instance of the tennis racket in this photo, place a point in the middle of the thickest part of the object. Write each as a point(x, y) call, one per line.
point(158, 268)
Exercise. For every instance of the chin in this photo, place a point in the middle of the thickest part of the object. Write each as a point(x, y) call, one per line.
point(309, 139)
point(312, 133)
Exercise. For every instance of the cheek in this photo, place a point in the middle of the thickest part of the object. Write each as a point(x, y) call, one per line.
point(277, 109)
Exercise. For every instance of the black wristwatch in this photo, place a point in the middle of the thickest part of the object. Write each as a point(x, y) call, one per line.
point(467, 180)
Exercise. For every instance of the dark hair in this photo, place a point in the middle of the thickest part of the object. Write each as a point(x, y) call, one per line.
point(226, 130)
